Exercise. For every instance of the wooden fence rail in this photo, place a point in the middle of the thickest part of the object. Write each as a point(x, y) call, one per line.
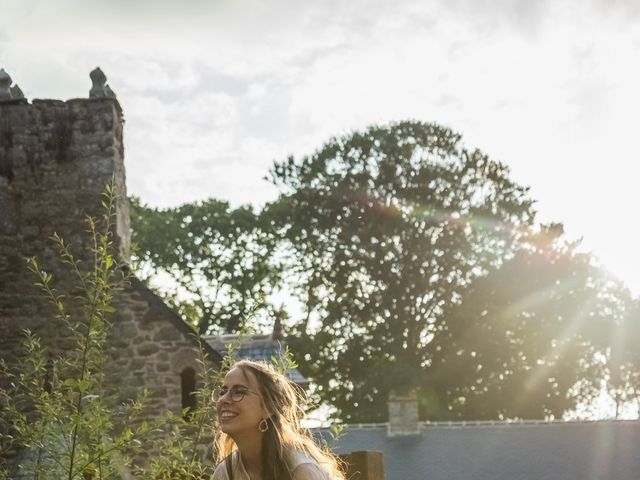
point(364, 465)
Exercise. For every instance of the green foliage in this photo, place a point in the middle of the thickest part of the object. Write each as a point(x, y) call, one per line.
point(176, 441)
point(388, 226)
point(221, 260)
point(57, 409)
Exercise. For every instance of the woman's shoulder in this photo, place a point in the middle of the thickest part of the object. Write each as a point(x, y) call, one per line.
point(310, 471)
point(303, 467)
point(220, 473)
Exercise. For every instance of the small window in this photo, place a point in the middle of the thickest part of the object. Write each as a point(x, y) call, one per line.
point(188, 386)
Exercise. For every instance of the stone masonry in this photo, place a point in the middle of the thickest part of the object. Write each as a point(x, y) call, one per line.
point(55, 160)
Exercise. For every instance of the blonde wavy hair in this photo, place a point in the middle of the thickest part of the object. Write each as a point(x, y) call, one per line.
point(285, 400)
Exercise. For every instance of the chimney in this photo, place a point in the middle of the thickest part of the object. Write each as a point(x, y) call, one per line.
point(403, 415)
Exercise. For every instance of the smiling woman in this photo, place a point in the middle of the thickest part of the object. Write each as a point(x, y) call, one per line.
point(260, 438)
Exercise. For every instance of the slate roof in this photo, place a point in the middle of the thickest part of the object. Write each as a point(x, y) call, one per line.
point(254, 347)
point(603, 450)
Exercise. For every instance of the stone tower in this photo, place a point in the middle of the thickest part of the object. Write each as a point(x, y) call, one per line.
point(55, 159)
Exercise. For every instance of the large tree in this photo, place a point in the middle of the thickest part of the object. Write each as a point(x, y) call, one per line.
point(387, 226)
point(418, 267)
point(213, 263)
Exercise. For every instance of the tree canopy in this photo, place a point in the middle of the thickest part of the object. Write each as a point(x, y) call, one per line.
point(216, 262)
point(389, 226)
point(418, 266)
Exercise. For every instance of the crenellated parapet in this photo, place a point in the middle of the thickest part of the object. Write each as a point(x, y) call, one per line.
point(55, 159)
point(9, 92)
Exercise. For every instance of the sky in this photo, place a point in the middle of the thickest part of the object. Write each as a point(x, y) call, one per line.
point(214, 91)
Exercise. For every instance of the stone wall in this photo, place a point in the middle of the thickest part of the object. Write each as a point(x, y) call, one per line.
point(153, 346)
point(55, 160)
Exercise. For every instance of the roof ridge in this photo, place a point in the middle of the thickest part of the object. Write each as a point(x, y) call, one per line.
point(491, 423)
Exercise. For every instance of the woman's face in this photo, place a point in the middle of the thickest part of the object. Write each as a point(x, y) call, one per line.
point(241, 417)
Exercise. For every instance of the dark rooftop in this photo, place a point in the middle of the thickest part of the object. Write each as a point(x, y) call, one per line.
point(503, 451)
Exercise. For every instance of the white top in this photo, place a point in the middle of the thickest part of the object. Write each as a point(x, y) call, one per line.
point(301, 466)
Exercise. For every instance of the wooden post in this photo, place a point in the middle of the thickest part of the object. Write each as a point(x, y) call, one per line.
point(364, 465)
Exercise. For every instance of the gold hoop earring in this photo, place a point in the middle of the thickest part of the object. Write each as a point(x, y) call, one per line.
point(263, 426)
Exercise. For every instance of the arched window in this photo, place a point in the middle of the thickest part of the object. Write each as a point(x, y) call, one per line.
point(188, 387)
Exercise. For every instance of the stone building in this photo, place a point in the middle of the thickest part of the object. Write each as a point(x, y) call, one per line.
point(55, 159)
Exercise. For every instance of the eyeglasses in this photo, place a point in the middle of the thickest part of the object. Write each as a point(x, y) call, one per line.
point(236, 394)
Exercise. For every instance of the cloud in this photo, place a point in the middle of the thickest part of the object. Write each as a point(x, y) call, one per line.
point(624, 9)
point(214, 91)
point(487, 16)
point(446, 100)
